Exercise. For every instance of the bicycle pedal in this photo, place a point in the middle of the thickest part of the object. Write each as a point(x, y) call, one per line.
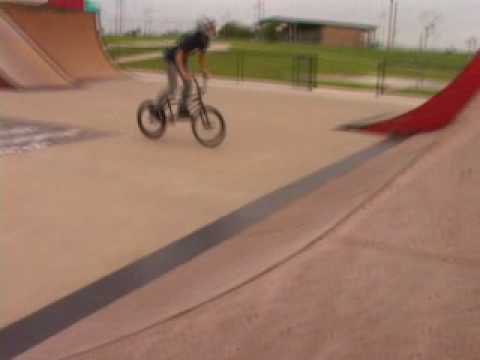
point(183, 117)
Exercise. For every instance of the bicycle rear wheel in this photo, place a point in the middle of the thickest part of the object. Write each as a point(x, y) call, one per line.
point(209, 127)
point(152, 121)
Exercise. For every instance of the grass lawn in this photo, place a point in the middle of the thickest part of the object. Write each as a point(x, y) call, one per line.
point(126, 40)
point(416, 93)
point(348, 61)
point(116, 53)
point(225, 64)
point(274, 61)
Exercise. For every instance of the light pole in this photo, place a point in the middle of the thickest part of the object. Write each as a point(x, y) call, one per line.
point(472, 43)
point(119, 17)
point(431, 25)
point(260, 10)
point(148, 21)
point(392, 24)
point(429, 30)
point(394, 27)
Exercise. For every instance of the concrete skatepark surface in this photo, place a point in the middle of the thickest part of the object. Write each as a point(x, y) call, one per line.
point(291, 241)
point(396, 280)
point(107, 203)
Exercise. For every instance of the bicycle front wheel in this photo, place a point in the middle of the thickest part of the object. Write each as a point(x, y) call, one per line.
point(209, 127)
point(151, 120)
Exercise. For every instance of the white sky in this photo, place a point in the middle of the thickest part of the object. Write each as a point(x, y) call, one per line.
point(459, 18)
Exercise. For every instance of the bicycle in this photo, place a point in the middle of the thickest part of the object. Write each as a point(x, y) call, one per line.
point(153, 119)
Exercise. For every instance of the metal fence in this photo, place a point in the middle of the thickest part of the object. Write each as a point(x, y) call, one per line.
point(297, 70)
point(395, 73)
point(414, 76)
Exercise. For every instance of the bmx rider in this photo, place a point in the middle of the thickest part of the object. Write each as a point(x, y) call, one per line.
point(176, 59)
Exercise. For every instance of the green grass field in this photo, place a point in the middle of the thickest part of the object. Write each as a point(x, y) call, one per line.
point(125, 40)
point(262, 67)
point(347, 61)
point(274, 61)
point(116, 53)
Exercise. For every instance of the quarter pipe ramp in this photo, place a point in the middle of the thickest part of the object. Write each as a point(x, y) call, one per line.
point(55, 47)
point(22, 64)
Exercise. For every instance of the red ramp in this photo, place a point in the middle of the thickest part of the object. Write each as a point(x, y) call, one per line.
point(67, 4)
point(438, 112)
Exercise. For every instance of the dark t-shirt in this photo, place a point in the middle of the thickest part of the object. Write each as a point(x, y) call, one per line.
point(191, 43)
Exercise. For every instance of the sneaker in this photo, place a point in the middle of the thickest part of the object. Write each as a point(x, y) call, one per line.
point(155, 110)
point(183, 112)
point(160, 103)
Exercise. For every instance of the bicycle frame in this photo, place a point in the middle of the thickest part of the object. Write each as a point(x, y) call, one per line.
point(208, 124)
point(196, 104)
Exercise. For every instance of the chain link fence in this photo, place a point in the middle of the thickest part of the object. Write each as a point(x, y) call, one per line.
point(415, 77)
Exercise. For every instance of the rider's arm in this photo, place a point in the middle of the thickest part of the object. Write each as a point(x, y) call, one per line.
point(180, 60)
point(202, 61)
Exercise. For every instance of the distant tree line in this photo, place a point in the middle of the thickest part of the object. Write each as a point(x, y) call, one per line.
point(235, 30)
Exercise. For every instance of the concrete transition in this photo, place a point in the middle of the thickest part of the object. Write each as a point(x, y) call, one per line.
point(55, 48)
point(22, 62)
point(316, 279)
point(379, 262)
point(404, 286)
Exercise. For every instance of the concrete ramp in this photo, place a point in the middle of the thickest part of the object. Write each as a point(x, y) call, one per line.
point(224, 269)
point(69, 38)
point(381, 268)
point(396, 279)
point(22, 63)
point(377, 261)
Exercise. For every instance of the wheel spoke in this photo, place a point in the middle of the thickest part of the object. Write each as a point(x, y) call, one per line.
point(151, 121)
point(209, 127)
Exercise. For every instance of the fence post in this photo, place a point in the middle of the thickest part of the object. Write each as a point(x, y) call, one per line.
point(299, 71)
point(237, 56)
point(379, 75)
point(310, 73)
point(242, 67)
point(422, 74)
point(313, 72)
point(294, 66)
point(384, 75)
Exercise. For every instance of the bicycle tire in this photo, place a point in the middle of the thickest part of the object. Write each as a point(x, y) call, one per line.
point(204, 119)
point(148, 108)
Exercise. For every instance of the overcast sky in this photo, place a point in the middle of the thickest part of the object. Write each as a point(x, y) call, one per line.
point(459, 19)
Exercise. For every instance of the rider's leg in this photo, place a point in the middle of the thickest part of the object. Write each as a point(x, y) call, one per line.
point(186, 94)
point(172, 74)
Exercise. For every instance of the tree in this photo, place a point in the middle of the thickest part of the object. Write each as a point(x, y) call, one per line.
point(472, 43)
point(134, 33)
point(271, 31)
point(430, 21)
point(236, 30)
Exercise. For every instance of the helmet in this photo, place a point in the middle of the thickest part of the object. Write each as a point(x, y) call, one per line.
point(205, 24)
